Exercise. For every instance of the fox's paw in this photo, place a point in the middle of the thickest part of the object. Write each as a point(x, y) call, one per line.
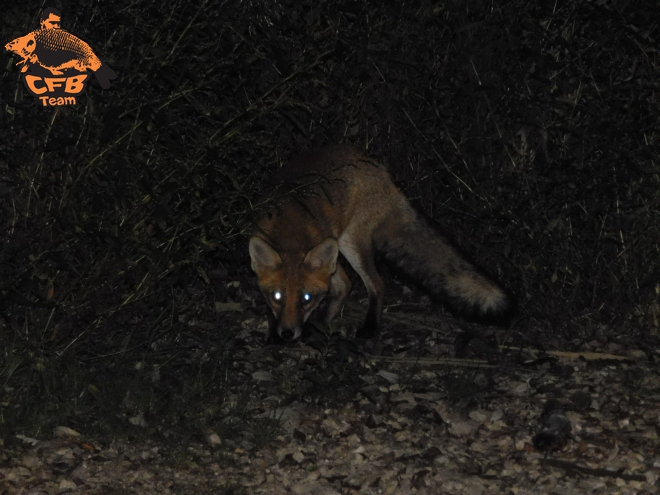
point(371, 325)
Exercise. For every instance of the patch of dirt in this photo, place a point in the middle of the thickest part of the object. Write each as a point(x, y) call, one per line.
point(407, 419)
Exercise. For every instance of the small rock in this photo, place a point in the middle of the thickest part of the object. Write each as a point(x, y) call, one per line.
point(66, 486)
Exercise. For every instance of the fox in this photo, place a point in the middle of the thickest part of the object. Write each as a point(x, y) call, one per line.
point(338, 200)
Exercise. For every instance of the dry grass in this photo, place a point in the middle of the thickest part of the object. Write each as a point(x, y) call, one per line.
point(528, 131)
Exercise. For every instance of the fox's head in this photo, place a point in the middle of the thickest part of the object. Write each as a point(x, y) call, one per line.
point(294, 283)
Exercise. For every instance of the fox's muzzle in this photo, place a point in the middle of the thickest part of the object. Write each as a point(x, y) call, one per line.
point(289, 334)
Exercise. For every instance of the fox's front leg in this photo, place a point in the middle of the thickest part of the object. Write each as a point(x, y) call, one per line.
point(273, 337)
point(361, 257)
point(338, 291)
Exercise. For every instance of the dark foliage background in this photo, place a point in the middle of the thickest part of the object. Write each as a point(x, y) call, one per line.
point(528, 130)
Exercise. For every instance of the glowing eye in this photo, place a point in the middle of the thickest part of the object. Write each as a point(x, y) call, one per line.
point(307, 297)
point(277, 295)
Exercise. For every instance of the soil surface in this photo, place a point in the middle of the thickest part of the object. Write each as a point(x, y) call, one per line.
point(396, 417)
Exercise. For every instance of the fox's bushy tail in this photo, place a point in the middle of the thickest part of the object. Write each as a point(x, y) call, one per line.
point(407, 240)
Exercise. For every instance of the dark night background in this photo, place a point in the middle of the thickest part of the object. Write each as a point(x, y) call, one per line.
point(528, 131)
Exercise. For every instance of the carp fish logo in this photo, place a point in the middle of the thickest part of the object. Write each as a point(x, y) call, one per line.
point(55, 63)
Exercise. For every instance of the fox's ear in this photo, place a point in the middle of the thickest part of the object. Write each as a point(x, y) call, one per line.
point(264, 257)
point(323, 256)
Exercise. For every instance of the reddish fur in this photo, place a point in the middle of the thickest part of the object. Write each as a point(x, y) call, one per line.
point(336, 198)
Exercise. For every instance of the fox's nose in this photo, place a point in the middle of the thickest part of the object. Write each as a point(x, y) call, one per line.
point(287, 333)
